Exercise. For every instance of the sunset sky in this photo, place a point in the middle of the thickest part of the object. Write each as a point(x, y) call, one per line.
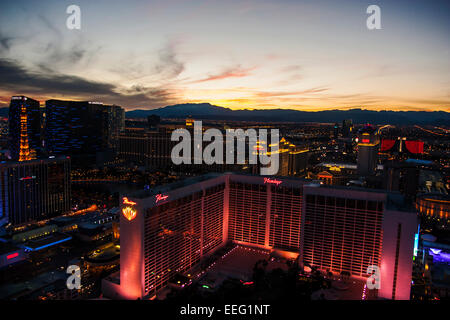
point(298, 54)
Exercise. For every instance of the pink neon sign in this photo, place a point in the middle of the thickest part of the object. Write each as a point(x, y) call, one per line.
point(160, 197)
point(27, 178)
point(272, 181)
point(12, 256)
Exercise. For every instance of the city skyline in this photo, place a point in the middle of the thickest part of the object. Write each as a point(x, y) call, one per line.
point(257, 54)
point(233, 157)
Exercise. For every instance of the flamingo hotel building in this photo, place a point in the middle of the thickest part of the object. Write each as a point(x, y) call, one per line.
point(170, 229)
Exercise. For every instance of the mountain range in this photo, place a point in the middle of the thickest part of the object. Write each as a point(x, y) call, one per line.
point(211, 112)
point(208, 111)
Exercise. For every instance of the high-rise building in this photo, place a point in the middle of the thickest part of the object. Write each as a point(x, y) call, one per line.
point(336, 131)
point(298, 161)
point(293, 160)
point(153, 121)
point(80, 127)
point(115, 124)
point(348, 229)
point(170, 229)
point(347, 128)
point(73, 127)
point(151, 148)
point(25, 141)
point(34, 190)
point(368, 146)
point(401, 176)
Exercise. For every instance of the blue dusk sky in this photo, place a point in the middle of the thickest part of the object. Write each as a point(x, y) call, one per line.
point(305, 54)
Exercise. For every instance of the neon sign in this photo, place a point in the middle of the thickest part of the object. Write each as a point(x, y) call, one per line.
point(129, 213)
point(27, 178)
point(272, 181)
point(12, 256)
point(160, 197)
point(416, 241)
point(435, 251)
point(365, 140)
point(126, 201)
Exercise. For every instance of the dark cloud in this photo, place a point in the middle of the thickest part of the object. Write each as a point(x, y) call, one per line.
point(44, 82)
point(137, 88)
point(58, 53)
point(169, 66)
point(14, 76)
point(5, 42)
point(16, 79)
point(55, 54)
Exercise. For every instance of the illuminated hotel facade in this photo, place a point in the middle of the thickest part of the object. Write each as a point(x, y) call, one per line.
point(368, 146)
point(170, 230)
point(36, 190)
point(75, 128)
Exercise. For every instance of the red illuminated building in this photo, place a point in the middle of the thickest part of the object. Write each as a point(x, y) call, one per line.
point(332, 228)
point(401, 145)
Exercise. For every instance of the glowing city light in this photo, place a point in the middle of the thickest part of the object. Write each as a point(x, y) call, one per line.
point(126, 201)
point(24, 150)
point(129, 213)
point(416, 241)
point(272, 181)
point(12, 256)
point(160, 197)
point(435, 251)
point(27, 178)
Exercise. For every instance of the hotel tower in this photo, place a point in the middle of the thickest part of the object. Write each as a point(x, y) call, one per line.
point(170, 229)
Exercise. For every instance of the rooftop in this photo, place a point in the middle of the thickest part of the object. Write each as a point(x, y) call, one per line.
point(396, 201)
point(12, 290)
point(6, 247)
point(46, 241)
point(172, 186)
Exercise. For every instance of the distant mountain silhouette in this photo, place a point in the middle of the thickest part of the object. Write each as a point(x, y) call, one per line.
point(212, 112)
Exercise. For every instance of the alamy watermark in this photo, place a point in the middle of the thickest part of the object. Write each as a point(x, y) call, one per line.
point(373, 22)
point(373, 281)
point(74, 20)
point(190, 150)
point(74, 280)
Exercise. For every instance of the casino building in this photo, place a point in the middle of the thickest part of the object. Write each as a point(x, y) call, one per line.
point(32, 191)
point(170, 229)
